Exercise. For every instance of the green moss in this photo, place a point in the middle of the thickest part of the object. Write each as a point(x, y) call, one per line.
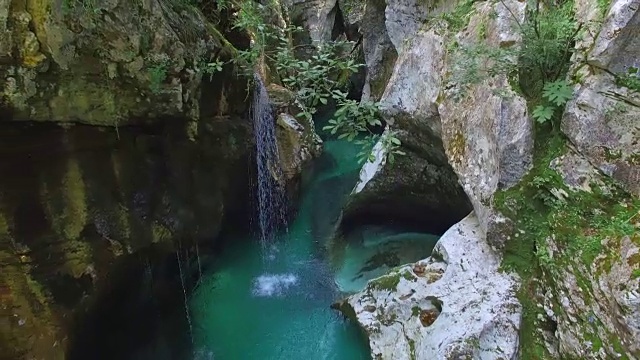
point(412, 349)
point(415, 311)
point(92, 102)
point(160, 233)
point(386, 282)
point(603, 6)
point(77, 257)
point(459, 17)
point(66, 203)
point(407, 275)
point(578, 224)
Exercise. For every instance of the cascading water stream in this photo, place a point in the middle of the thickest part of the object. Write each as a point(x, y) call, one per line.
point(184, 293)
point(272, 203)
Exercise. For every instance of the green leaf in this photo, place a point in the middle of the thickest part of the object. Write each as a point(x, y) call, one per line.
point(558, 92)
point(542, 113)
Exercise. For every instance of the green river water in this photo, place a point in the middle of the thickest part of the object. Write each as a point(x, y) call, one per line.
point(249, 307)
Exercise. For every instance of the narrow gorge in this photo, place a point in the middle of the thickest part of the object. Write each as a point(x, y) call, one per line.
point(327, 179)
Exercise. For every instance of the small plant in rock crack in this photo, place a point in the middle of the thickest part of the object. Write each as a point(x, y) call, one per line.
point(556, 94)
point(89, 6)
point(157, 75)
point(630, 79)
point(212, 67)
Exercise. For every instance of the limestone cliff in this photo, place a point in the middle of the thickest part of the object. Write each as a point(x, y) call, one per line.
point(556, 216)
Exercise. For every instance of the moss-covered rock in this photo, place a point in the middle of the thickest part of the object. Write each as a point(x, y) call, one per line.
point(75, 200)
point(573, 246)
point(105, 63)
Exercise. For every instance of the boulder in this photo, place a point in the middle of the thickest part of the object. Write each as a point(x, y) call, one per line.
point(318, 17)
point(456, 304)
point(297, 145)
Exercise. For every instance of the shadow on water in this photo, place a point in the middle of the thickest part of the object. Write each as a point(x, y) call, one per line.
point(279, 308)
point(140, 315)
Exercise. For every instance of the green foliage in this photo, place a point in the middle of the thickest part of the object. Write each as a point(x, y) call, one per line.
point(157, 75)
point(322, 78)
point(543, 113)
point(318, 79)
point(547, 45)
point(352, 120)
point(89, 6)
point(556, 94)
point(474, 63)
point(459, 17)
point(316, 75)
point(630, 79)
point(213, 67)
point(543, 57)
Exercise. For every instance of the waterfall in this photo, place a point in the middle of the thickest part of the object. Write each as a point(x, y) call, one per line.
point(271, 195)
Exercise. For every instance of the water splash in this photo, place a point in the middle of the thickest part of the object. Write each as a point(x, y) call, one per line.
point(272, 204)
point(269, 285)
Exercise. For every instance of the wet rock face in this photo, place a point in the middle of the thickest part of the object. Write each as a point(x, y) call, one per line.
point(75, 201)
point(107, 63)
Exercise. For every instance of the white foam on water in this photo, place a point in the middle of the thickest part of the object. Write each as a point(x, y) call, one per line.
point(268, 285)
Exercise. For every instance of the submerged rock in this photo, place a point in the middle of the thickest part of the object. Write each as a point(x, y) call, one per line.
point(468, 307)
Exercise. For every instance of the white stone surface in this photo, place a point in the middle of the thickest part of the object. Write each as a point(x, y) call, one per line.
point(480, 314)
